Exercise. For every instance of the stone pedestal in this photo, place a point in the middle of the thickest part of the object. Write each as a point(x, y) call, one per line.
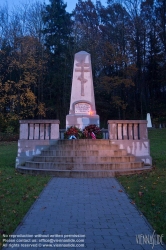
point(81, 121)
point(82, 103)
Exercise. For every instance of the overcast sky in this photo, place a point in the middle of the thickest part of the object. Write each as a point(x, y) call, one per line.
point(70, 3)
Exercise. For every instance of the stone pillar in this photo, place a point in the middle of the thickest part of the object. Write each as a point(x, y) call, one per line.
point(130, 131)
point(125, 131)
point(31, 131)
point(135, 131)
point(120, 136)
point(82, 102)
point(54, 131)
point(42, 131)
point(47, 131)
point(23, 130)
point(36, 132)
point(143, 130)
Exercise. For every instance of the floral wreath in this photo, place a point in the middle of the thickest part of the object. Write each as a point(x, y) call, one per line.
point(92, 132)
point(73, 131)
point(89, 132)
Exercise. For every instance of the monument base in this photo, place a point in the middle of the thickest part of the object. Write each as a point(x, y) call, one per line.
point(81, 121)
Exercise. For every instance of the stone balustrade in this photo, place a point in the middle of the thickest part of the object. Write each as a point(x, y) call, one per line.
point(35, 135)
point(131, 135)
point(39, 129)
point(127, 129)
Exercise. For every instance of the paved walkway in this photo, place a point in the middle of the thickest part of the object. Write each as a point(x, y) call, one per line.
point(82, 214)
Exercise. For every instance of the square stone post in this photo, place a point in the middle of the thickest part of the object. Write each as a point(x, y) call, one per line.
point(143, 130)
point(23, 130)
point(55, 130)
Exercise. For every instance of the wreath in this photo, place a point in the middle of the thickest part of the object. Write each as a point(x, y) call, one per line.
point(73, 133)
point(92, 132)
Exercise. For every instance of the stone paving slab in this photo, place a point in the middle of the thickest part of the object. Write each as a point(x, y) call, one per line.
point(83, 214)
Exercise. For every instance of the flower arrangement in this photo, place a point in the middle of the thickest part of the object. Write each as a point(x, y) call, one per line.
point(92, 132)
point(73, 131)
point(89, 132)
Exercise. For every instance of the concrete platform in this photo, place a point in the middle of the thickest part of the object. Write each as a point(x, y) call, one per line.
point(91, 213)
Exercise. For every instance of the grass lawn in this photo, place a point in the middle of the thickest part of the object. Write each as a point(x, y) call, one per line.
point(17, 191)
point(148, 191)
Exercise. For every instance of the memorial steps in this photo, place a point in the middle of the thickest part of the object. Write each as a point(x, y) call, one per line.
point(84, 158)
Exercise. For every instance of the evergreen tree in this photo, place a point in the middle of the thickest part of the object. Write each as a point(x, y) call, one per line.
point(58, 42)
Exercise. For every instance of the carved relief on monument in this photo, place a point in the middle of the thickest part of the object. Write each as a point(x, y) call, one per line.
point(83, 67)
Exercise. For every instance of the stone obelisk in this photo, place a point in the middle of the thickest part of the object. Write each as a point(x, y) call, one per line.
point(82, 103)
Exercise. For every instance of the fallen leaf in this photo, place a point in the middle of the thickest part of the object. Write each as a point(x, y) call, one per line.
point(8, 178)
point(121, 191)
point(132, 202)
point(140, 193)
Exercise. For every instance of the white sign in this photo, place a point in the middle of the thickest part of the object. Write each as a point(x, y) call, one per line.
point(82, 108)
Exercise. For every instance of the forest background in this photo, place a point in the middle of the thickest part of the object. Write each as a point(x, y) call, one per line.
point(127, 43)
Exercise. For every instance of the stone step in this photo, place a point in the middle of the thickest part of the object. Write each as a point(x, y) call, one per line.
point(84, 153)
point(83, 166)
point(82, 173)
point(85, 141)
point(86, 146)
point(84, 159)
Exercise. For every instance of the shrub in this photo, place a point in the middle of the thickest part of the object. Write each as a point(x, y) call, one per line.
point(9, 137)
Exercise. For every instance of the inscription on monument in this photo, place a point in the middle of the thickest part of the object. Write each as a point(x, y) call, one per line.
point(82, 108)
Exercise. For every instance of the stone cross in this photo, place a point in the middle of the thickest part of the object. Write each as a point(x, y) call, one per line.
point(82, 69)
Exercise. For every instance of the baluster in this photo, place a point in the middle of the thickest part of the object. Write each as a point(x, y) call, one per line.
point(47, 132)
point(113, 132)
point(135, 131)
point(125, 132)
point(31, 131)
point(119, 131)
point(42, 131)
point(130, 131)
point(36, 131)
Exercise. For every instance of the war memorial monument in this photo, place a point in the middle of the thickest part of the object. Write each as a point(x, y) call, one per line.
point(41, 149)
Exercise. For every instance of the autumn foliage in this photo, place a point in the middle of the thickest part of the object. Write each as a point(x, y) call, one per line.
point(127, 46)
